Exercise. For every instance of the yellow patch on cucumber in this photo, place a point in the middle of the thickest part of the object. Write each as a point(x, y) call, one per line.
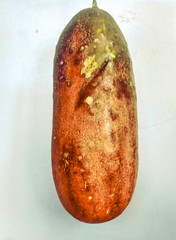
point(90, 65)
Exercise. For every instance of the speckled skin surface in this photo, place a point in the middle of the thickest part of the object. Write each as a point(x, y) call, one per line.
point(94, 141)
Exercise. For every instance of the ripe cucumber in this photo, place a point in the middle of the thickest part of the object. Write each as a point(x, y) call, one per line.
point(94, 137)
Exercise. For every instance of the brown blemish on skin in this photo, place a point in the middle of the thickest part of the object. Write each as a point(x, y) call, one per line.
point(113, 136)
point(76, 62)
point(123, 90)
point(114, 116)
point(125, 130)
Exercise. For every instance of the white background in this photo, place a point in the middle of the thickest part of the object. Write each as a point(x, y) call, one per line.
point(29, 206)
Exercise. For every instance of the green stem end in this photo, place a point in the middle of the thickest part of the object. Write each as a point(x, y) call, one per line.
point(94, 4)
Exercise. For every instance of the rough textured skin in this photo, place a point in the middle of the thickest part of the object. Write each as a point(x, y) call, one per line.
point(94, 142)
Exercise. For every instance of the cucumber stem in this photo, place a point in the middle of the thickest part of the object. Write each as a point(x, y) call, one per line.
point(94, 4)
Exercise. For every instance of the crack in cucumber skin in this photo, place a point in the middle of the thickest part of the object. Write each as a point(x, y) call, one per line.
point(94, 142)
point(86, 90)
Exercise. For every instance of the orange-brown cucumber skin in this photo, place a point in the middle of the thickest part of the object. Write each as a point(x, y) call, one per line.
point(94, 139)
